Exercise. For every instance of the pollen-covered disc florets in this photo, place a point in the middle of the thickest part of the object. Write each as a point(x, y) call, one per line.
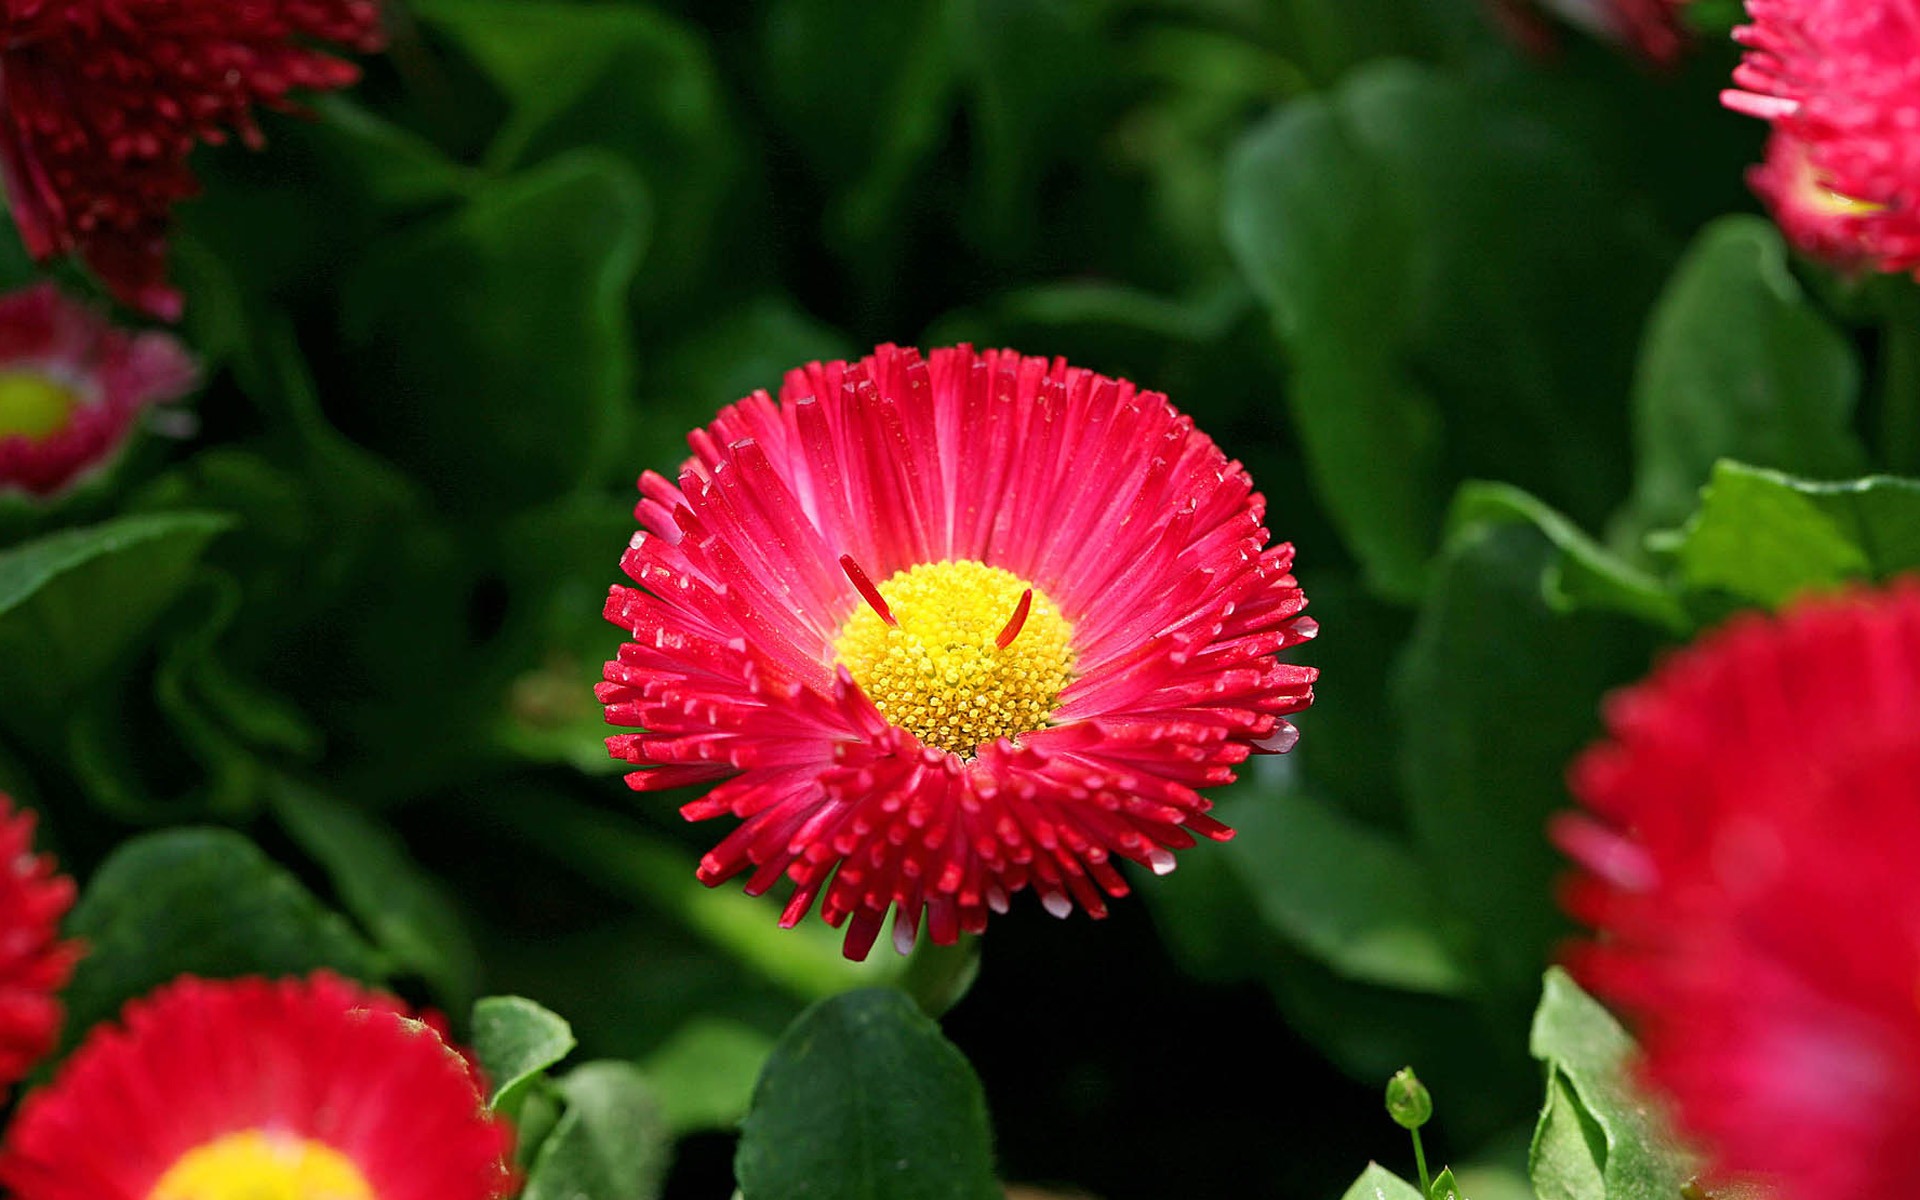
point(1747, 849)
point(252, 1089)
point(1075, 628)
point(1840, 81)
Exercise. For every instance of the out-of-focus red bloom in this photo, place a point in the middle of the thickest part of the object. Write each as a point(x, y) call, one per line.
point(949, 628)
point(1840, 81)
point(249, 1087)
point(101, 102)
point(71, 385)
point(1748, 849)
point(34, 962)
point(1651, 27)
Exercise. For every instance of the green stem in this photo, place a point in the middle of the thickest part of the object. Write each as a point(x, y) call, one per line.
point(1900, 384)
point(1420, 1160)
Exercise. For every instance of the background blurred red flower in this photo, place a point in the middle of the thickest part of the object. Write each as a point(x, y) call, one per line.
point(101, 102)
point(1840, 80)
point(71, 386)
point(314, 1087)
point(34, 962)
point(1748, 855)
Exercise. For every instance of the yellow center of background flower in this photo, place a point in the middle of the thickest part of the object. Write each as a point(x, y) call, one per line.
point(34, 405)
point(939, 673)
point(255, 1165)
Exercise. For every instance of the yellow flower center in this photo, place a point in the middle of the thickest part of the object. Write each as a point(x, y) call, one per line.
point(943, 672)
point(257, 1165)
point(32, 404)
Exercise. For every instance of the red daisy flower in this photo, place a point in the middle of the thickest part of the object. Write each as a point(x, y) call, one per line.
point(948, 628)
point(71, 385)
point(1748, 867)
point(248, 1087)
point(101, 102)
point(34, 962)
point(1651, 27)
point(1841, 79)
point(1818, 220)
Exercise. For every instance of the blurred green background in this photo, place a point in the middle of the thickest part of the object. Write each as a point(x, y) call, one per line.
point(1376, 251)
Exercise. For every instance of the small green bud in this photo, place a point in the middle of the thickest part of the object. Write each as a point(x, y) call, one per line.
point(1407, 1100)
point(1444, 1188)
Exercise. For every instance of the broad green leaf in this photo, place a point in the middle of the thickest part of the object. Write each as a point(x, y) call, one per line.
point(72, 603)
point(1353, 898)
point(409, 915)
point(516, 1039)
point(1587, 576)
point(626, 79)
point(1765, 537)
point(610, 1143)
point(1495, 694)
point(1737, 363)
point(1569, 1153)
point(705, 1073)
point(492, 344)
point(1408, 235)
point(1587, 1052)
point(863, 1099)
point(202, 902)
point(1378, 1183)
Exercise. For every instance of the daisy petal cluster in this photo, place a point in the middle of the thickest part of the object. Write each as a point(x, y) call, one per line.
point(101, 102)
point(253, 1088)
point(71, 386)
point(940, 629)
point(1840, 82)
point(1747, 850)
point(34, 962)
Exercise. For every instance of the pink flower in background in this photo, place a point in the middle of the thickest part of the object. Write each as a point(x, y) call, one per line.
point(71, 385)
point(34, 962)
point(945, 629)
point(101, 101)
point(1751, 829)
point(1840, 81)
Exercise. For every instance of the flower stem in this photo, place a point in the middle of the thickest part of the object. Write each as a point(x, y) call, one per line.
point(1900, 383)
point(1420, 1160)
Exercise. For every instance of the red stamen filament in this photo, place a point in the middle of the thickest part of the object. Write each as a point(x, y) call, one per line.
point(1017, 621)
point(871, 594)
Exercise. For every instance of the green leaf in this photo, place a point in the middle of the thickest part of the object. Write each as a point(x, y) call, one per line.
point(409, 915)
point(1765, 537)
point(1378, 1183)
point(1587, 576)
point(72, 603)
point(863, 1099)
point(1408, 235)
point(515, 1040)
point(623, 78)
point(611, 1142)
point(492, 345)
point(1590, 1092)
point(1353, 898)
point(1737, 363)
point(1495, 693)
point(203, 902)
point(1444, 1186)
point(705, 1073)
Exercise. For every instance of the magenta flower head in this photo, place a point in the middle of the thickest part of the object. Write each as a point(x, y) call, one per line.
point(942, 629)
point(71, 385)
point(1649, 27)
point(101, 102)
point(1840, 81)
point(1747, 851)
